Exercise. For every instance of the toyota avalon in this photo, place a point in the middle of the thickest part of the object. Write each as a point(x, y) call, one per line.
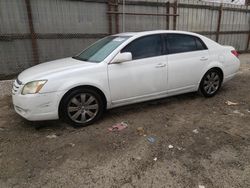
point(123, 69)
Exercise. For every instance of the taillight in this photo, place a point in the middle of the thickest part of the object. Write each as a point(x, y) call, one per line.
point(235, 53)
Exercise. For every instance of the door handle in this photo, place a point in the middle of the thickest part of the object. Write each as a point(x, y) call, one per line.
point(203, 58)
point(160, 65)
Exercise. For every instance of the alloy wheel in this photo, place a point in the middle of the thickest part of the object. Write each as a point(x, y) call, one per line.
point(211, 83)
point(82, 108)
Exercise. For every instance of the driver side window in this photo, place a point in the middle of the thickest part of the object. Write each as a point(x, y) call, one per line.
point(144, 47)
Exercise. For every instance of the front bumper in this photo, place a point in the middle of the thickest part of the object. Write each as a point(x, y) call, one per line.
point(36, 107)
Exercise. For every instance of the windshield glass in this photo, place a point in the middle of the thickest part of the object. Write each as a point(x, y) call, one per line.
point(101, 49)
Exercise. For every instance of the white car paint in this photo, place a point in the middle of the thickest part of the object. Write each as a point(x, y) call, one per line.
point(123, 83)
point(138, 79)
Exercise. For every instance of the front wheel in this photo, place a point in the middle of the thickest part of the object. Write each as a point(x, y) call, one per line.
point(81, 107)
point(210, 83)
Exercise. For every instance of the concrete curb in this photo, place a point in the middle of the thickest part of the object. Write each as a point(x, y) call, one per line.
point(5, 87)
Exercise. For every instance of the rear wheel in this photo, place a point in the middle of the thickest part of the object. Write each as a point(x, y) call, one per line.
point(211, 83)
point(81, 107)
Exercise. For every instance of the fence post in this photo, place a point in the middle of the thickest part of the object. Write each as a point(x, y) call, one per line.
point(167, 12)
point(116, 17)
point(32, 33)
point(248, 40)
point(113, 5)
point(175, 12)
point(219, 23)
point(109, 16)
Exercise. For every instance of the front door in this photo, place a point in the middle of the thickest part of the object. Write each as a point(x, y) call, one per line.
point(144, 76)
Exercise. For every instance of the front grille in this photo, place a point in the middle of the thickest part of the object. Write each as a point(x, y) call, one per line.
point(16, 87)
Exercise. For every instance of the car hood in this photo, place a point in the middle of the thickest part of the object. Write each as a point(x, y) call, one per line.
point(44, 70)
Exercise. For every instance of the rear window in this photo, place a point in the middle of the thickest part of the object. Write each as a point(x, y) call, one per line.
point(180, 43)
point(200, 44)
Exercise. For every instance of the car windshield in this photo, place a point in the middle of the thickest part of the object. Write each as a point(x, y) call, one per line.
point(101, 49)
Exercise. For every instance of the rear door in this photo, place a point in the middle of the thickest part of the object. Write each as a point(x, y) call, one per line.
point(144, 76)
point(187, 57)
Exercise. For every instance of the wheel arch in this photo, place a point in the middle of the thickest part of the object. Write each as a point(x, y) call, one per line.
point(99, 91)
point(218, 68)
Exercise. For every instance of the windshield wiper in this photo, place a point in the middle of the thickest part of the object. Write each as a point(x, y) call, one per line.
point(78, 58)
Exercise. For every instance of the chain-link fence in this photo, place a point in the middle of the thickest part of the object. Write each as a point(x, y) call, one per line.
point(35, 31)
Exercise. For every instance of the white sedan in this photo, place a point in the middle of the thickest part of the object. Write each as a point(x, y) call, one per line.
point(122, 69)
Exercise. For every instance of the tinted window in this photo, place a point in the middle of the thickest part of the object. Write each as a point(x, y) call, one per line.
point(179, 43)
point(144, 47)
point(200, 45)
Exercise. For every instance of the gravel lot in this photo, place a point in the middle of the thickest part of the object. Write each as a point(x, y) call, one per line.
point(210, 139)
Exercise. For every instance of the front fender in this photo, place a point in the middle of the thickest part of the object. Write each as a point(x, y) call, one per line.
point(72, 84)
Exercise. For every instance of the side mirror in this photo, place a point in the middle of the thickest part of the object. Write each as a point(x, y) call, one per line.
point(122, 57)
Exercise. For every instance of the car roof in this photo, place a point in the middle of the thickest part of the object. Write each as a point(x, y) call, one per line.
point(210, 43)
point(142, 33)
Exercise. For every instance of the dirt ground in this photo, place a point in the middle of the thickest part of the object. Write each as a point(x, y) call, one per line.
point(210, 139)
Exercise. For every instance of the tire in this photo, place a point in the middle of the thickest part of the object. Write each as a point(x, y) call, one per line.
point(210, 83)
point(81, 107)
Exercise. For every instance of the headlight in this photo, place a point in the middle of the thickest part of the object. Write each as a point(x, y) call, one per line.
point(33, 87)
